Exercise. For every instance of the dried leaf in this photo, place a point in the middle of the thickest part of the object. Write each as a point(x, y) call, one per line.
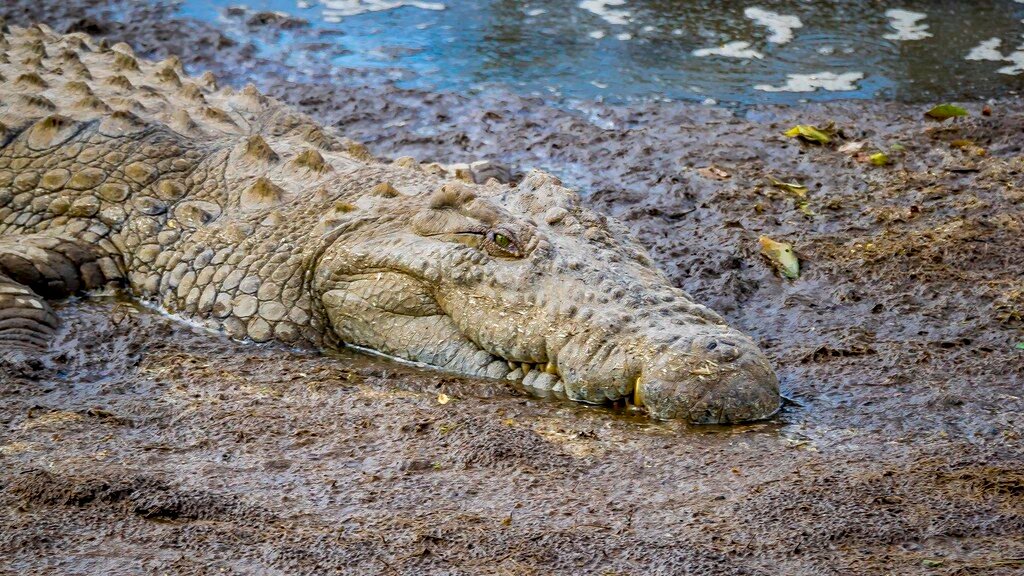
point(781, 255)
point(792, 187)
point(443, 398)
point(714, 173)
point(808, 133)
point(944, 112)
point(799, 191)
point(852, 147)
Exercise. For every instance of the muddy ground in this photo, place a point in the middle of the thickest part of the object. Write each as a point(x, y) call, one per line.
point(145, 446)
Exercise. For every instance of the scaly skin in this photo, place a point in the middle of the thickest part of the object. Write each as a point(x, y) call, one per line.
point(233, 210)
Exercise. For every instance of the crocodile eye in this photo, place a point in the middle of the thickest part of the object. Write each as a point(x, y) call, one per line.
point(502, 244)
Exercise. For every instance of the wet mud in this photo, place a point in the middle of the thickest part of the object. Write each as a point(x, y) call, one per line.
point(143, 445)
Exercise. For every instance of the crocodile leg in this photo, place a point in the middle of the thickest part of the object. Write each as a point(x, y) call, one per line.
point(34, 268)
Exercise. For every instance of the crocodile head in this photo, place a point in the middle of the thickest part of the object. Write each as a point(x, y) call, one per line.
point(525, 284)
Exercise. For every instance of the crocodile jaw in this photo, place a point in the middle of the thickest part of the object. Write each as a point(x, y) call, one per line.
point(579, 309)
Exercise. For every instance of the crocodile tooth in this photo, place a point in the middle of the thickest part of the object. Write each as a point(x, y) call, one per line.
point(638, 396)
point(558, 389)
point(530, 377)
point(512, 365)
point(550, 368)
point(544, 381)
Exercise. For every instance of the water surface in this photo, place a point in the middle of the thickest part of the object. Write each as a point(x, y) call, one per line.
point(620, 50)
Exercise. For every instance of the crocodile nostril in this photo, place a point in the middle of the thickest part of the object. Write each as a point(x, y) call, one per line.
point(716, 349)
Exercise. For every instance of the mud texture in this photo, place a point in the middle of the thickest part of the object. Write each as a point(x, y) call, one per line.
point(142, 445)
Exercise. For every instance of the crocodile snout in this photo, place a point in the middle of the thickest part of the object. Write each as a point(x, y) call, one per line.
point(716, 379)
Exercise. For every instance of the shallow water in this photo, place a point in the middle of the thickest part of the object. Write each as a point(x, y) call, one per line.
point(620, 50)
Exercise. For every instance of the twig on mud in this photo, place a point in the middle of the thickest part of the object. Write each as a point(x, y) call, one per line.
point(787, 401)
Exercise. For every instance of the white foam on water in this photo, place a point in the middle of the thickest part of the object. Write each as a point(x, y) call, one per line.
point(536, 12)
point(624, 36)
point(781, 26)
point(737, 49)
point(596, 34)
point(987, 50)
point(1017, 66)
point(603, 8)
point(335, 10)
point(906, 25)
point(829, 81)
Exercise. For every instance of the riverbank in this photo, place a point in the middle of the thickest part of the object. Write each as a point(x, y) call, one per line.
point(145, 446)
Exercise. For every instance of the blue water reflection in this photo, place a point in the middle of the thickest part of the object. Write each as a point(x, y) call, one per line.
point(728, 52)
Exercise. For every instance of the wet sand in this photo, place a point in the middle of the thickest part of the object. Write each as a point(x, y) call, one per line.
point(144, 446)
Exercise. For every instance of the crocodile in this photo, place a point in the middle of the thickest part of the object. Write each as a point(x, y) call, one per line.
point(225, 207)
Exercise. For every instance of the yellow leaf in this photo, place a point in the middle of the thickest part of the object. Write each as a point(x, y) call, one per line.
point(808, 133)
point(879, 158)
point(781, 256)
point(443, 398)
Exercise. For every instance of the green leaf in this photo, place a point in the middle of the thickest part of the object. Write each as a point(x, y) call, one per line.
point(808, 133)
point(1019, 346)
point(945, 112)
point(879, 158)
point(929, 563)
